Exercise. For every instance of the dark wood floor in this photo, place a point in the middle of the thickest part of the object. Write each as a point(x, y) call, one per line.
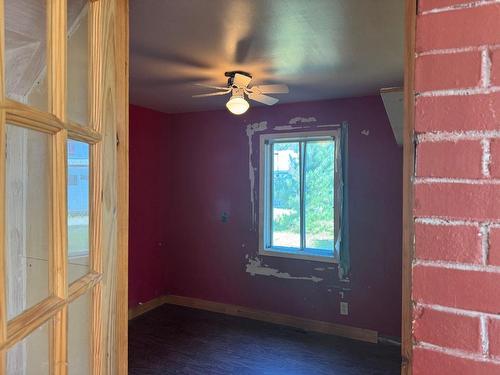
point(178, 340)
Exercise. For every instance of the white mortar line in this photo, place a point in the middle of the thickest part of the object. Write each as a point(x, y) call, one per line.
point(485, 343)
point(456, 311)
point(456, 353)
point(466, 181)
point(484, 231)
point(456, 266)
point(446, 51)
point(445, 222)
point(469, 135)
point(486, 158)
point(442, 220)
point(485, 67)
point(461, 6)
point(464, 91)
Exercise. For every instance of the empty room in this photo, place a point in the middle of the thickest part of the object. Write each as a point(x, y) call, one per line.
point(212, 187)
point(266, 171)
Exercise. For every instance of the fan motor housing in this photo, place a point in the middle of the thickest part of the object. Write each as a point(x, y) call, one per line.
point(231, 74)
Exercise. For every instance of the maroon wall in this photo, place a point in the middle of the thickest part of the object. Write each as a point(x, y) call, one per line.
point(208, 174)
point(207, 258)
point(149, 180)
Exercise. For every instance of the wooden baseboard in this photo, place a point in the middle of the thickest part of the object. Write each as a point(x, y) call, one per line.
point(143, 308)
point(360, 334)
point(311, 325)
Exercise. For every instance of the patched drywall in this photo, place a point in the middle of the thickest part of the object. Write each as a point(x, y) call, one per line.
point(251, 129)
point(297, 120)
point(255, 266)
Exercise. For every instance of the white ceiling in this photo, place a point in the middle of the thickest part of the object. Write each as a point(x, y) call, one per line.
point(321, 48)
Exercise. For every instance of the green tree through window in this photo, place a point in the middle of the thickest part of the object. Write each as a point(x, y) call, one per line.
point(302, 194)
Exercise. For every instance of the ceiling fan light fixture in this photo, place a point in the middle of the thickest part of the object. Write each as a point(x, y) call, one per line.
point(237, 105)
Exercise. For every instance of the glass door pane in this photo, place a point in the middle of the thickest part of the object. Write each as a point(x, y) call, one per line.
point(78, 209)
point(285, 195)
point(31, 355)
point(79, 336)
point(318, 194)
point(78, 61)
point(27, 218)
point(26, 52)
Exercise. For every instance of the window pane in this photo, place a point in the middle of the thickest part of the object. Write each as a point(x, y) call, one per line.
point(79, 336)
point(27, 218)
point(31, 355)
point(78, 209)
point(318, 194)
point(26, 51)
point(285, 194)
point(78, 61)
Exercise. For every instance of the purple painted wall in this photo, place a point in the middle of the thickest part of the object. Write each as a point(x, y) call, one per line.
point(206, 258)
point(149, 160)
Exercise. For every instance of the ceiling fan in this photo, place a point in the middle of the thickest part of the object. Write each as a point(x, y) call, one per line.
point(237, 85)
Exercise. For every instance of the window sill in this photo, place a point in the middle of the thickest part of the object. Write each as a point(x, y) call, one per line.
point(298, 254)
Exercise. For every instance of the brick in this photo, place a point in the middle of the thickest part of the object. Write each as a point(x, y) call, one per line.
point(495, 158)
point(447, 71)
point(426, 5)
point(463, 289)
point(447, 330)
point(494, 337)
point(450, 243)
point(457, 113)
point(459, 28)
point(462, 159)
point(458, 201)
point(495, 67)
point(494, 248)
point(428, 362)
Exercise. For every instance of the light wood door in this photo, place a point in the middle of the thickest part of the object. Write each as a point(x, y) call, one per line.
point(63, 186)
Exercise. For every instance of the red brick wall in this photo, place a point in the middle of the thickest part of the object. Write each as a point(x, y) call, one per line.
point(456, 267)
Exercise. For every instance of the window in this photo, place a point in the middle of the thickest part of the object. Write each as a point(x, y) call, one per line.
point(298, 200)
point(78, 205)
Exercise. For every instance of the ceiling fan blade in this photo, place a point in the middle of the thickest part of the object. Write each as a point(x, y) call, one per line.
point(262, 98)
point(271, 89)
point(212, 94)
point(241, 80)
point(212, 87)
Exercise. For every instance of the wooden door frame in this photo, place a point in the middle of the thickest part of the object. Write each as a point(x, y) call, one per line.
point(122, 110)
point(108, 25)
point(408, 173)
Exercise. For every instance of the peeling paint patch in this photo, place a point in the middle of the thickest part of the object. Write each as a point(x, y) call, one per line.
point(297, 120)
point(255, 267)
point(251, 130)
point(288, 127)
point(365, 132)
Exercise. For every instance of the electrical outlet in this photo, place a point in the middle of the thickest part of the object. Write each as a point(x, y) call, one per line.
point(344, 308)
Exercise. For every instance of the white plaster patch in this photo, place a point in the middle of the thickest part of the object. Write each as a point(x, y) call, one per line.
point(288, 127)
point(251, 130)
point(297, 120)
point(365, 132)
point(255, 267)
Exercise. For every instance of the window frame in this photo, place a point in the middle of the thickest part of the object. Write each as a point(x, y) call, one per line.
point(265, 178)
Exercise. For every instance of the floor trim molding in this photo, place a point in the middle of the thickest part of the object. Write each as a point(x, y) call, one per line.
point(311, 325)
point(143, 308)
